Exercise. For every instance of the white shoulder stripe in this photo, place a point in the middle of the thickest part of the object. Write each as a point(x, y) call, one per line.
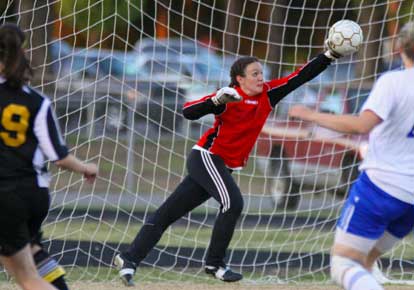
point(41, 131)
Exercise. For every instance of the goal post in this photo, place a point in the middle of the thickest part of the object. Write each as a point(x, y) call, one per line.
point(119, 72)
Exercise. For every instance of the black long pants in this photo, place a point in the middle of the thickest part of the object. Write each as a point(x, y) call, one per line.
point(207, 177)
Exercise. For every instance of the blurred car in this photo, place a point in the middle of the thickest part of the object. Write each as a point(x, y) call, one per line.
point(118, 64)
point(159, 106)
point(113, 79)
point(297, 155)
point(189, 74)
point(59, 51)
point(162, 68)
point(158, 87)
point(209, 73)
point(172, 46)
point(197, 60)
point(93, 63)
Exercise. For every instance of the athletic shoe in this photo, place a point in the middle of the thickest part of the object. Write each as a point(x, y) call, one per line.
point(223, 274)
point(126, 269)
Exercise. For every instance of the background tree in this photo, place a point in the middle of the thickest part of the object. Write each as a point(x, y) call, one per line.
point(371, 22)
point(96, 21)
point(36, 20)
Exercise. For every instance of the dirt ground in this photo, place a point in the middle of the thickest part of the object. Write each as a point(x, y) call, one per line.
point(175, 286)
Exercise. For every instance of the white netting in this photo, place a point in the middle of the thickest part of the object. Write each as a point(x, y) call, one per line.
point(118, 75)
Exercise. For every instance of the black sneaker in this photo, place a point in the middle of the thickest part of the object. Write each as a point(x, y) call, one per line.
point(223, 274)
point(126, 269)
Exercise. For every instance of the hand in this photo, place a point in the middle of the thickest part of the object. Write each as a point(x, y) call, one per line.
point(226, 95)
point(335, 53)
point(331, 53)
point(90, 172)
point(301, 112)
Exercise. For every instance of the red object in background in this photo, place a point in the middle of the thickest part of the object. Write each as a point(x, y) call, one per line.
point(299, 156)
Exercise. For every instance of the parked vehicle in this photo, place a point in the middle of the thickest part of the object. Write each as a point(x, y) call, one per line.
point(299, 155)
point(162, 68)
point(119, 64)
point(92, 63)
point(111, 77)
point(195, 59)
point(158, 85)
point(190, 76)
point(171, 46)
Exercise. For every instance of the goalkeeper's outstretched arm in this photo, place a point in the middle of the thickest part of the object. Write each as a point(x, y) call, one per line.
point(279, 88)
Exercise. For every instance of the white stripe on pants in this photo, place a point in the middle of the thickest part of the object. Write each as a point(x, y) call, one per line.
point(218, 181)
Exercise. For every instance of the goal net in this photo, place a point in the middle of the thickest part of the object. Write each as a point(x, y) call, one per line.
point(119, 72)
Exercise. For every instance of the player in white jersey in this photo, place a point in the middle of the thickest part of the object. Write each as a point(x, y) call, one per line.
point(379, 210)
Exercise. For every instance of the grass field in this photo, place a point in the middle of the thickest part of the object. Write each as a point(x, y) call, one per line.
point(153, 279)
point(260, 238)
point(187, 286)
point(254, 238)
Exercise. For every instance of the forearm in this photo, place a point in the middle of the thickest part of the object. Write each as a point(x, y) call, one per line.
point(342, 123)
point(71, 163)
point(197, 109)
point(311, 70)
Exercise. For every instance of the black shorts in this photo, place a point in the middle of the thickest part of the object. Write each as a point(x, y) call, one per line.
point(23, 207)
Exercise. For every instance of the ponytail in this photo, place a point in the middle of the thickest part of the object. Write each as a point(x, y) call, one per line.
point(16, 70)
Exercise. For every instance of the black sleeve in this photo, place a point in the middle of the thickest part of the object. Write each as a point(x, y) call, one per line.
point(299, 77)
point(197, 109)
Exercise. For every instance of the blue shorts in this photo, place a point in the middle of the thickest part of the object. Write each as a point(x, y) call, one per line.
point(369, 212)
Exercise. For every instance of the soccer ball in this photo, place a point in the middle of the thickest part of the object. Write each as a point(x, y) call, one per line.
point(345, 37)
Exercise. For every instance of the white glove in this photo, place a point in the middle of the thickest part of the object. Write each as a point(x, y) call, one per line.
point(331, 53)
point(226, 95)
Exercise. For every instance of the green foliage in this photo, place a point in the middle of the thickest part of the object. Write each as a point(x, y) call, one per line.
point(405, 12)
point(107, 16)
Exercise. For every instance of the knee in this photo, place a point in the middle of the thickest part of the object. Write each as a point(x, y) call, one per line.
point(239, 204)
point(236, 205)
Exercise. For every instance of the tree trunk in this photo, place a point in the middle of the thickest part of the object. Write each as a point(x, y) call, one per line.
point(231, 38)
point(35, 18)
point(371, 19)
point(277, 28)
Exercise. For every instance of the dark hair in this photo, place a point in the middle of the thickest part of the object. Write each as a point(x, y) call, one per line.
point(17, 70)
point(238, 68)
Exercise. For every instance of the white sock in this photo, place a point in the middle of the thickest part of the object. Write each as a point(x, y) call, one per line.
point(357, 278)
point(351, 275)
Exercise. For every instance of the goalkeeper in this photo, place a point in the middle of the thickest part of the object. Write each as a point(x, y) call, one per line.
point(240, 110)
point(28, 135)
point(379, 210)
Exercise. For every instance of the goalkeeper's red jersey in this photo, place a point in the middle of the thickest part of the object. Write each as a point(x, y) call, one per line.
point(238, 125)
